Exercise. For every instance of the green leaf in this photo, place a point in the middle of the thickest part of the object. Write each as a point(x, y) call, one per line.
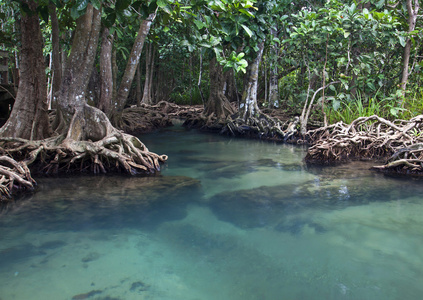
point(394, 111)
point(75, 14)
point(247, 13)
point(380, 4)
point(241, 55)
point(336, 104)
point(110, 19)
point(247, 30)
point(352, 8)
point(402, 40)
point(200, 25)
point(96, 4)
point(81, 4)
point(371, 86)
point(161, 3)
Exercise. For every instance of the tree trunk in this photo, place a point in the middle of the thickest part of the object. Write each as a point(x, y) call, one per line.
point(139, 93)
point(133, 61)
point(149, 59)
point(231, 91)
point(93, 93)
point(151, 75)
point(56, 55)
point(273, 97)
point(217, 104)
point(249, 106)
point(412, 19)
point(86, 139)
point(80, 63)
point(29, 117)
point(106, 73)
point(273, 87)
point(114, 76)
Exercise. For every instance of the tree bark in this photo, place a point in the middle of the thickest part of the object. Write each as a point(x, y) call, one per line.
point(139, 93)
point(149, 63)
point(273, 97)
point(106, 73)
point(412, 19)
point(80, 63)
point(56, 55)
point(29, 117)
point(217, 103)
point(249, 106)
point(133, 61)
point(231, 91)
point(114, 76)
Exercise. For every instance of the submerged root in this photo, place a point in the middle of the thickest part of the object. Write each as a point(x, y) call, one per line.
point(369, 138)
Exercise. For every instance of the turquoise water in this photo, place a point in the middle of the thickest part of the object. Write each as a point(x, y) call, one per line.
point(226, 219)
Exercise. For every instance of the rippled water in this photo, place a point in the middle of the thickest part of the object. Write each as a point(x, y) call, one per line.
point(226, 219)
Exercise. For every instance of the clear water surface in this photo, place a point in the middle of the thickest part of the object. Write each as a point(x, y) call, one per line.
point(226, 219)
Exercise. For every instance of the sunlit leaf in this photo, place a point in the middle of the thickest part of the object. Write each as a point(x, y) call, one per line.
point(247, 30)
point(402, 40)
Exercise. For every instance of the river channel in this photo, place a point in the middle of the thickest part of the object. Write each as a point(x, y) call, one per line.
point(230, 219)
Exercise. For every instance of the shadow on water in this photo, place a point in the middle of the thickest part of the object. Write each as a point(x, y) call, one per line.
point(107, 202)
point(88, 203)
point(23, 251)
point(334, 188)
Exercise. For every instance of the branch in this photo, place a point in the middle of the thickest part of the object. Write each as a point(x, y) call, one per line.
point(393, 5)
point(8, 92)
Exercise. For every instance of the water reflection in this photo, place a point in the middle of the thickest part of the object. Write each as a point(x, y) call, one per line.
point(227, 219)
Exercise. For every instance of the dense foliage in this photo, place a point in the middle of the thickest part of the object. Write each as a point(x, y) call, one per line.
point(352, 52)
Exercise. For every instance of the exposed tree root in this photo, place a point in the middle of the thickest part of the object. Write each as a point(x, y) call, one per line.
point(147, 118)
point(369, 138)
point(204, 123)
point(407, 161)
point(14, 176)
point(89, 143)
point(262, 127)
point(118, 152)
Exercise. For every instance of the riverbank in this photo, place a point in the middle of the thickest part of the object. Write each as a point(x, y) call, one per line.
point(395, 147)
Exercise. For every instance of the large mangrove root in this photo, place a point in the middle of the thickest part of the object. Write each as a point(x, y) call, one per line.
point(117, 152)
point(407, 161)
point(367, 138)
point(263, 127)
point(146, 118)
point(14, 176)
